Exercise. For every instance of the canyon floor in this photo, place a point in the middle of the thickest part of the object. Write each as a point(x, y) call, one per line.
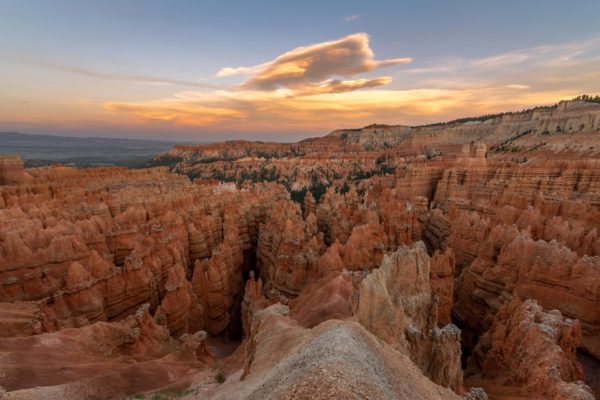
point(449, 261)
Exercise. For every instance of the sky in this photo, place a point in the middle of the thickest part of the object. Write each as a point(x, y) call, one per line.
point(284, 70)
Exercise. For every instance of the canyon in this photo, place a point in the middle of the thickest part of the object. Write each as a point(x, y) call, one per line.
point(454, 260)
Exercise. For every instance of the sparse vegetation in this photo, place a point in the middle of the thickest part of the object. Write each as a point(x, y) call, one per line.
point(166, 394)
point(220, 377)
point(506, 145)
point(164, 160)
point(588, 98)
point(318, 189)
point(485, 117)
point(298, 196)
point(387, 169)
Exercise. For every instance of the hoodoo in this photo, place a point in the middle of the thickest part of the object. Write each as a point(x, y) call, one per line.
point(471, 271)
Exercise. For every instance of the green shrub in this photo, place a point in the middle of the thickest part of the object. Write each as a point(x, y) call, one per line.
point(220, 377)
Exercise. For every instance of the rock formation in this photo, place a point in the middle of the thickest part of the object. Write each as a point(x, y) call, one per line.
point(102, 360)
point(375, 241)
point(333, 360)
point(442, 283)
point(288, 249)
point(397, 305)
point(328, 298)
point(11, 170)
point(533, 351)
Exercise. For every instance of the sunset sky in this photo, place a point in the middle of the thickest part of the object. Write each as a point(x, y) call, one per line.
point(283, 70)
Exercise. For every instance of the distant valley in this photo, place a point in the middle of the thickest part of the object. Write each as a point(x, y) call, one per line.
point(39, 150)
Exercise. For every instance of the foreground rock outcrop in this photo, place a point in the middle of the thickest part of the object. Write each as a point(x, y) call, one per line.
point(335, 359)
point(397, 305)
point(103, 360)
point(530, 352)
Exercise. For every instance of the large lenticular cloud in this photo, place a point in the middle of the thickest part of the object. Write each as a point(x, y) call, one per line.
point(313, 65)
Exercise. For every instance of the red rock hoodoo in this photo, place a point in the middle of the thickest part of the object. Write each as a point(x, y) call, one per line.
point(442, 261)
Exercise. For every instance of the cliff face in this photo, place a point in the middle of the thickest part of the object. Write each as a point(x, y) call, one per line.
point(374, 136)
point(525, 231)
point(528, 128)
point(548, 272)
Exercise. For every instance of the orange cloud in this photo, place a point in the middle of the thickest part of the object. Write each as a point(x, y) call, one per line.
point(312, 65)
point(282, 111)
point(337, 86)
point(178, 109)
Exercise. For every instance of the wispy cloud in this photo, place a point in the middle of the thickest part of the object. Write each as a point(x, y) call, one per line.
point(517, 86)
point(351, 18)
point(573, 65)
point(228, 71)
point(131, 78)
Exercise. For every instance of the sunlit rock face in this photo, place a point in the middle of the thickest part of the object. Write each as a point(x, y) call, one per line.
point(102, 360)
point(397, 304)
point(288, 249)
point(533, 350)
point(93, 245)
point(442, 283)
point(375, 262)
point(525, 231)
point(335, 359)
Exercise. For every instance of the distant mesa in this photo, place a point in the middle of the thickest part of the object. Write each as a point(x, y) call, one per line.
point(42, 150)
